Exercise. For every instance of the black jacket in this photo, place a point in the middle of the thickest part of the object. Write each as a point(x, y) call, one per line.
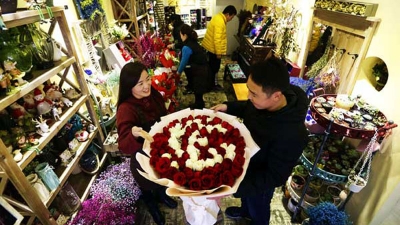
point(176, 34)
point(281, 136)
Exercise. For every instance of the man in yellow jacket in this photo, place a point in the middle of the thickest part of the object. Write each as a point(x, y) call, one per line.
point(215, 41)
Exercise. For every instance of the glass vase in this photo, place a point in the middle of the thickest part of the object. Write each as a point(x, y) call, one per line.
point(46, 173)
point(67, 200)
point(40, 44)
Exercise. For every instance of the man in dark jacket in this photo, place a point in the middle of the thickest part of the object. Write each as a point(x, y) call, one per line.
point(274, 115)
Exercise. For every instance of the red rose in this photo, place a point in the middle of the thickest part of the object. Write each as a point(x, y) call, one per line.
point(180, 178)
point(171, 171)
point(181, 162)
point(208, 171)
point(237, 171)
point(217, 181)
point(216, 120)
point(203, 132)
point(227, 178)
point(195, 184)
point(226, 164)
point(153, 160)
point(188, 173)
point(238, 161)
point(207, 181)
point(162, 165)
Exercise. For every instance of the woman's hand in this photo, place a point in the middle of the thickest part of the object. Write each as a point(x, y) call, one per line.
point(136, 131)
point(171, 46)
point(220, 108)
point(139, 132)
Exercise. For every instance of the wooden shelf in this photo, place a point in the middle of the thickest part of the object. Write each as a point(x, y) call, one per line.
point(11, 170)
point(54, 129)
point(68, 170)
point(29, 16)
point(40, 77)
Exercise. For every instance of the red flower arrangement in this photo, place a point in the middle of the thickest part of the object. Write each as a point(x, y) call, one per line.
point(164, 84)
point(198, 152)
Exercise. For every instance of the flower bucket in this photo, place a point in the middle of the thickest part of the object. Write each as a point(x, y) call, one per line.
point(49, 178)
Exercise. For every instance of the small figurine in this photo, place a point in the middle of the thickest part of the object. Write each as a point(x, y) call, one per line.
point(17, 111)
point(72, 94)
point(66, 101)
point(44, 128)
point(56, 113)
point(29, 103)
point(10, 67)
point(43, 105)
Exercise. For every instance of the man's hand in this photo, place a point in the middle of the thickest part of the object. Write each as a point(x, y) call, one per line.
point(219, 56)
point(171, 46)
point(136, 131)
point(220, 108)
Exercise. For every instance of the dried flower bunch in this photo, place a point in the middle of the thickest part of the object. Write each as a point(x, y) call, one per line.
point(114, 195)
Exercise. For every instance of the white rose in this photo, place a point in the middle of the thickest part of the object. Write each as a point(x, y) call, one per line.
point(209, 162)
point(179, 152)
point(198, 121)
point(202, 141)
point(193, 137)
point(230, 148)
point(166, 155)
point(193, 156)
point(198, 165)
point(188, 123)
point(177, 130)
point(189, 163)
point(175, 164)
point(209, 128)
point(174, 143)
point(192, 150)
point(212, 151)
point(209, 119)
point(230, 155)
point(220, 128)
point(218, 158)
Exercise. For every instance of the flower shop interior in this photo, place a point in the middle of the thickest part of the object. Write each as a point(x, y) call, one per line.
point(59, 76)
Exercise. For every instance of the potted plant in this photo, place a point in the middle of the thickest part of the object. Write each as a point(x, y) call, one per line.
point(297, 182)
point(381, 74)
point(326, 213)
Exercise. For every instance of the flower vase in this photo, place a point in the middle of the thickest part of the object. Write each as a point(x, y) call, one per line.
point(48, 176)
point(40, 188)
point(67, 200)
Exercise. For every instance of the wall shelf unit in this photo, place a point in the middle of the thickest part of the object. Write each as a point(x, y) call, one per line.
point(32, 206)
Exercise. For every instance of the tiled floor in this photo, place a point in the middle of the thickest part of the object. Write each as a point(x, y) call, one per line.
point(279, 214)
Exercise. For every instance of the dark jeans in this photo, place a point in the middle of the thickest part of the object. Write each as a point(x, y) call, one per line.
point(215, 64)
point(258, 207)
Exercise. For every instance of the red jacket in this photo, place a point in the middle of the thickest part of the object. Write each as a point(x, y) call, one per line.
point(141, 113)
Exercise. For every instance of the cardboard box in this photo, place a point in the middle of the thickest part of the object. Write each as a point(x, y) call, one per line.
point(117, 55)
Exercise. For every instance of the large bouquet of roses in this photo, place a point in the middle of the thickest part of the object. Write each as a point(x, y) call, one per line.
point(198, 152)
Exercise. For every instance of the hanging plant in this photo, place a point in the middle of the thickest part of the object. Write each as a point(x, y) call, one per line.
point(321, 63)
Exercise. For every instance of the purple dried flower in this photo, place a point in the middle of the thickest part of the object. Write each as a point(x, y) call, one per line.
point(114, 195)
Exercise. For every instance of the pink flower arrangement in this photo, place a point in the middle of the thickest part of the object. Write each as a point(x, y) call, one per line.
point(113, 198)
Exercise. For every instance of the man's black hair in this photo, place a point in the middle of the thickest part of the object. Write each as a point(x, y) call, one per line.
point(230, 9)
point(271, 74)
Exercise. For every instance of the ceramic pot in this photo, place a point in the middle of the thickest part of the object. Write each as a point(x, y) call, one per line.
point(67, 200)
point(356, 183)
point(297, 182)
point(292, 205)
point(335, 192)
point(40, 188)
point(47, 175)
point(312, 195)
